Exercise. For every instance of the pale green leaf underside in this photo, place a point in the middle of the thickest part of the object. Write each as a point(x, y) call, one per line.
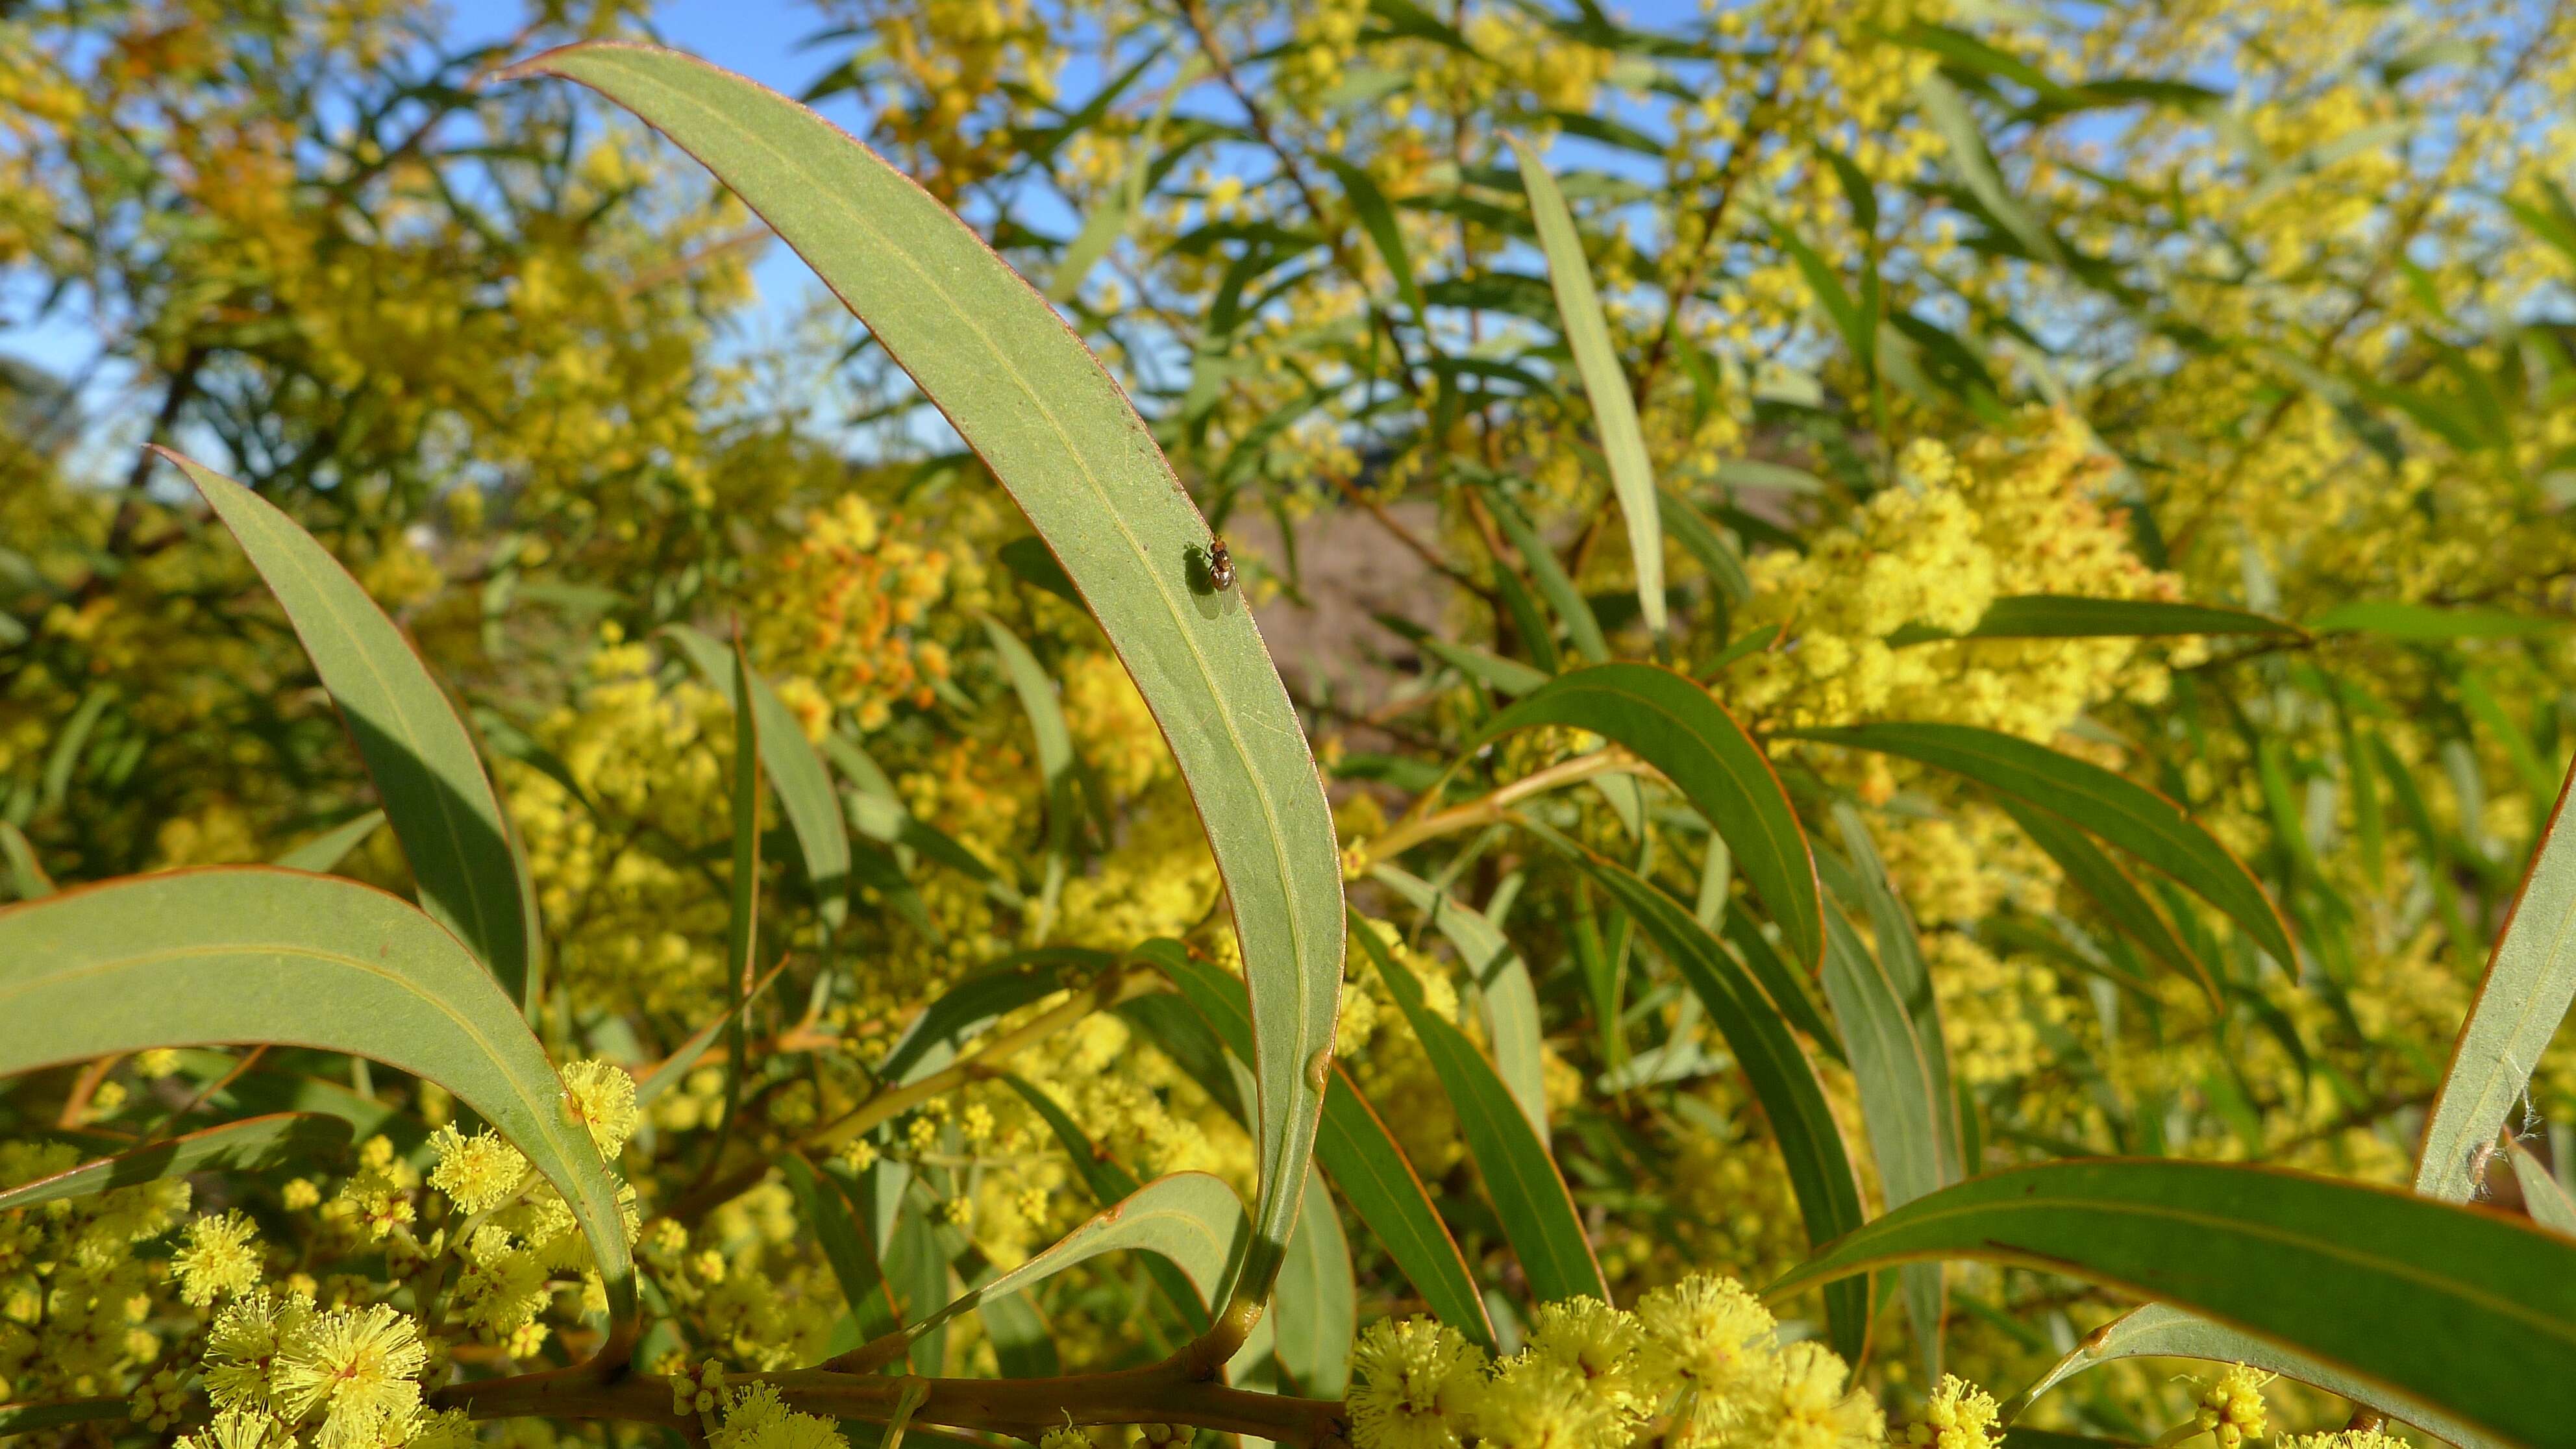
point(433, 785)
point(1317, 1311)
point(1503, 981)
point(2529, 983)
point(1191, 1218)
point(232, 955)
point(1614, 410)
point(1034, 403)
point(2161, 1330)
point(2543, 1196)
point(328, 849)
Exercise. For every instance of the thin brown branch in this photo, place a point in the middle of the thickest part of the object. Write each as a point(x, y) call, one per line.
point(1333, 233)
point(1730, 175)
point(1412, 542)
point(1176, 1391)
point(1495, 808)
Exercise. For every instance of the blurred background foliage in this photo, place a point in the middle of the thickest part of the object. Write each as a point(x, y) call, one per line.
point(1924, 304)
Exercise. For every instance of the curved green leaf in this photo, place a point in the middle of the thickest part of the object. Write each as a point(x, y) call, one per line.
point(433, 784)
point(1111, 1183)
point(1863, 881)
point(27, 878)
point(1054, 740)
point(1318, 1307)
point(332, 846)
point(2162, 1331)
point(2130, 816)
point(1672, 724)
point(2103, 882)
point(1975, 166)
point(1357, 1152)
point(1614, 410)
point(862, 1279)
point(972, 1005)
point(1506, 677)
point(2429, 623)
point(2070, 616)
point(2463, 1310)
point(1858, 325)
point(1377, 218)
point(1582, 626)
point(1503, 983)
point(1527, 621)
point(676, 1066)
point(1893, 1076)
point(1900, 1062)
point(231, 955)
point(1538, 1214)
point(1725, 565)
point(2521, 1002)
point(1191, 1218)
point(795, 770)
point(742, 917)
point(65, 755)
point(2543, 1196)
point(233, 1147)
point(1046, 418)
point(18, 1419)
point(1784, 1082)
point(1364, 1160)
point(1781, 982)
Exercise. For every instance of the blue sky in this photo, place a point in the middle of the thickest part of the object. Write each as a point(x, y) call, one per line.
point(763, 39)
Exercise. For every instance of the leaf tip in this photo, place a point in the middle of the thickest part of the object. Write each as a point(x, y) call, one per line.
point(544, 62)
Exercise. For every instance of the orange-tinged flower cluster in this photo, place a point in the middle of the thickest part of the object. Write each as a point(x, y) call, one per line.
point(842, 610)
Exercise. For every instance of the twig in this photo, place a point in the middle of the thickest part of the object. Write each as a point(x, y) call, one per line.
point(1176, 1391)
point(1496, 807)
point(1403, 535)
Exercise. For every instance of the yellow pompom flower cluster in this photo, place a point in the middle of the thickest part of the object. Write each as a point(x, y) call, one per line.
point(2015, 513)
point(221, 1257)
point(280, 1358)
point(71, 1285)
point(2231, 1408)
point(842, 609)
point(600, 1098)
point(476, 1172)
point(757, 1418)
point(625, 911)
point(1593, 1377)
point(1412, 1385)
point(1959, 1415)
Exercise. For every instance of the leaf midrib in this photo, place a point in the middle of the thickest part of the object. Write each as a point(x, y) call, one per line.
point(1286, 1127)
